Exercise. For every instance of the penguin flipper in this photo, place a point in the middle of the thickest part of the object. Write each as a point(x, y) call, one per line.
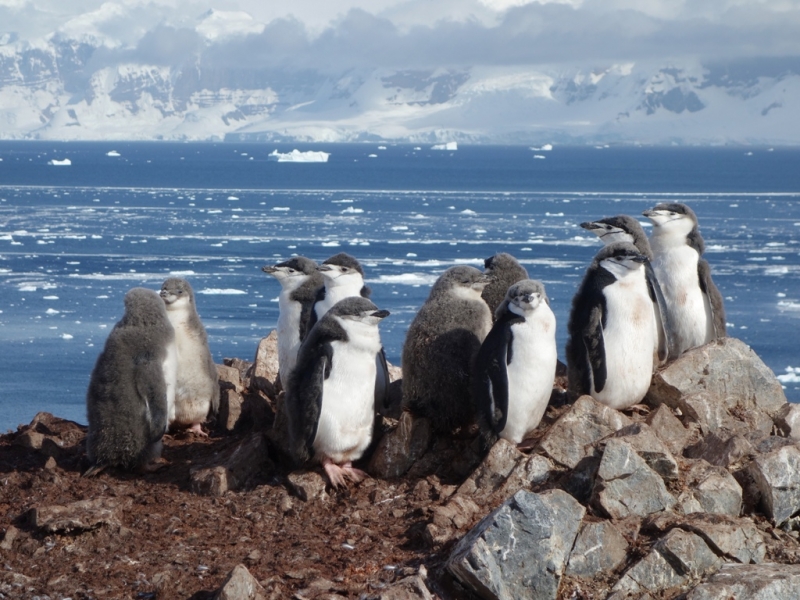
point(313, 317)
point(666, 335)
point(381, 380)
point(595, 351)
point(713, 298)
point(491, 380)
point(309, 400)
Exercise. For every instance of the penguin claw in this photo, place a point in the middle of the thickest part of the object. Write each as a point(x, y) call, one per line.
point(197, 428)
point(339, 474)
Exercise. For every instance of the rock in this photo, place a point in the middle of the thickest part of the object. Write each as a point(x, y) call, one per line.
point(712, 490)
point(450, 519)
point(409, 588)
point(788, 421)
point(233, 468)
point(721, 449)
point(669, 429)
point(712, 415)
point(264, 370)
point(400, 448)
point(583, 424)
point(599, 549)
point(675, 560)
point(8, 538)
point(750, 582)
point(504, 472)
point(732, 375)
point(777, 476)
point(240, 585)
point(307, 486)
point(643, 440)
point(230, 409)
point(30, 439)
point(229, 378)
point(626, 486)
point(519, 550)
point(731, 538)
point(243, 367)
point(83, 515)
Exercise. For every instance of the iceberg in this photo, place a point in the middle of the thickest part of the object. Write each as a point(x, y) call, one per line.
point(113, 153)
point(60, 163)
point(297, 156)
point(447, 146)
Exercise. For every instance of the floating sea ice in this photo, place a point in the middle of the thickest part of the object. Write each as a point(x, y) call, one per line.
point(330, 244)
point(792, 375)
point(232, 198)
point(281, 208)
point(373, 156)
point(52, 311)
point(447, 146)
point(221, 292)
point(27, 288)
point(49, 297)
point(113, 153)
point(181, 273)
point(66, 336)
point(59, 163)
point(539, 156)
point(468, 211)
point(352, 210)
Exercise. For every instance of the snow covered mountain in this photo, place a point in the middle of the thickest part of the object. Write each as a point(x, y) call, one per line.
point(78, 84)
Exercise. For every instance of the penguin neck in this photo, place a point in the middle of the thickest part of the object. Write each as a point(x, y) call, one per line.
point(342, 287)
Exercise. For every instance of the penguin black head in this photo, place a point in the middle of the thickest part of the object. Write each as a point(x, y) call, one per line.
point(294, 267)
point(463, 280)
point(341, 265)
point(356, 308)
point(143, 307)
point(621, 228)
point(619, 259)
point(677, 221)
point(177, 290)
point(525, 295)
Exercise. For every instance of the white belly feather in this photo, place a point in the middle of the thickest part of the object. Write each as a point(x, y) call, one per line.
point(194, 386)
point(531, 373)
point(170, 369)
point(628, 340)
point(346, 420)
point(676, 270)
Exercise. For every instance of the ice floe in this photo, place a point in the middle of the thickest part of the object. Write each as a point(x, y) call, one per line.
point(113, 153)
point(447, 146)
point(59, 163)
point(792, 375)
point(297, 156)
point(221, 292)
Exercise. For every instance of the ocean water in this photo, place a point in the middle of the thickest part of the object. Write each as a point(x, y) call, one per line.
point(74, 239)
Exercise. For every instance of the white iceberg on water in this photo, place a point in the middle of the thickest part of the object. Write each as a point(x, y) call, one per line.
point(113, 153)
point(447, 146)
point(60, 163)
point(297, 156)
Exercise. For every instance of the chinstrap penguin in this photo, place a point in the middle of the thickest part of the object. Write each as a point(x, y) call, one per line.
point(343, 276)
point(624, 228)
point(300, 283)
point(127, 399)
point(611, 330)
point(516, 364)
point(440, 346)
point(331, 393)
point(503, 271)
point(197, 388)
point(695, 306)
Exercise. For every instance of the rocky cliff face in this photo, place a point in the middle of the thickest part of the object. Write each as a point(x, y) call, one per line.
point(65, 88)
point(694, 494)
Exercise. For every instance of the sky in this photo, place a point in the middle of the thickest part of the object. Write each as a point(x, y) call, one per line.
point(339, 34)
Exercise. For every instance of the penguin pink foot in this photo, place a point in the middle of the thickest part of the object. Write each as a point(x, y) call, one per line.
point(338, 474)
point(198, 429)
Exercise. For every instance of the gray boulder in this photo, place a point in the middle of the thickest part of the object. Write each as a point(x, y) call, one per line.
point(599, 549)
point(675, 560)
point(240, 585)
point(626, 486)
point(570, 438)
point(711, 490)
point(731, 375)
point(750, 582)
point(777, 476)
point(521, 549)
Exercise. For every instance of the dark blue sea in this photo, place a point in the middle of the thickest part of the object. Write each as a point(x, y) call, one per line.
point(74, 238)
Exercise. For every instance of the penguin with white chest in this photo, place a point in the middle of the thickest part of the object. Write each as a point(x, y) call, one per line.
point(611, 329)
point(695, 306)
point(197, 387)
point(343, 276)
point(514, 368)
point(331, 393)
point(127, 402)
point(624, 228)
point(300, 283)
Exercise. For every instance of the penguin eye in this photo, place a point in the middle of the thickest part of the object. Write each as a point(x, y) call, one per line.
point(291, 270)
point(345, 269)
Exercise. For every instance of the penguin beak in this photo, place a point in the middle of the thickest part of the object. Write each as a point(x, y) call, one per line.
point(590, 225)
point(324, 268)
point(268, 269)
point(639, 258)
point(381, 314)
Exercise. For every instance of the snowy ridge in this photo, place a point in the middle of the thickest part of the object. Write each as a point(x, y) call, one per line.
point(54, 89)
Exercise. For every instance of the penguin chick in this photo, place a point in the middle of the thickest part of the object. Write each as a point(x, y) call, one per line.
point(440, 346)
point(694, 304)
point(503, 271)
point(330, 396)
point(611, 329)
point(126, 402)
point(197, 388)
point(624, 228)
point(516, 365)
point(300, 283)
